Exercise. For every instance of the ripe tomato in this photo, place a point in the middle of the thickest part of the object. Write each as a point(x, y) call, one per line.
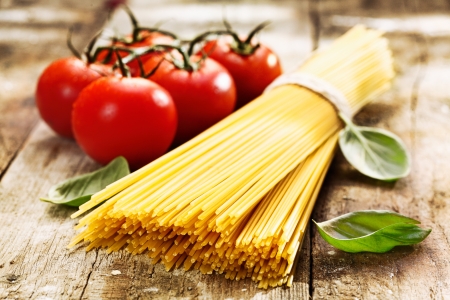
point(203, 96)
point(252, 72)
point(113, 4)
point(58, 88)
point(131, 117)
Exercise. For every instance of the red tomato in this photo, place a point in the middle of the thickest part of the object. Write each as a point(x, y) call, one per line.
point(252, 73)
point(202, 97)
point(146, 38)
point(130, 117)
point(113, 4)
point(58, 88)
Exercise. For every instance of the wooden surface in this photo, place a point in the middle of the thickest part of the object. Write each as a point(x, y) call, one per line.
point(34, 261)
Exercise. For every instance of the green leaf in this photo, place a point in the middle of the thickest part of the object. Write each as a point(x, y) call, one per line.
point(374, 152)
point(78, 190)
point(371, 231)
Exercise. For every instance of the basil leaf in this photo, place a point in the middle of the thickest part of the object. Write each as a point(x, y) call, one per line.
point(371, 231)
point(374, 152)
point(78, 190)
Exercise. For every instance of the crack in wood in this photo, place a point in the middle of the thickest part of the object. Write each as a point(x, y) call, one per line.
point(89, 275)
point(24, 135)
point(443, 233)
point(14, 155)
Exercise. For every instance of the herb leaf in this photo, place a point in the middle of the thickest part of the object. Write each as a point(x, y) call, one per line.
point(374, 152)
point(371, 231)
point(78, 190)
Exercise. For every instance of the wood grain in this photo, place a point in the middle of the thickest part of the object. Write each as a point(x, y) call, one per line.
point(30, 38)
point(34, 261)
point(416, 109)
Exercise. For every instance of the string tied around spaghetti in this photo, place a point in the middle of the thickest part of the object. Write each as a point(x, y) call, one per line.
point(317, 85)
point(374, 152)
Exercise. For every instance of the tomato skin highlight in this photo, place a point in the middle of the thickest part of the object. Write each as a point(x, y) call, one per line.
point(203, 97)
point(130, 117)
point(57, 89)
point(251, 73)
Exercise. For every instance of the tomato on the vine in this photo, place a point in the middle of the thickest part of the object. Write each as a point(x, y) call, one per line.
point(253, 66)
point(202, 89)
point(130, 117)
point(58, 88)
point(62, 81)
point(139, 38)
point(146, 38)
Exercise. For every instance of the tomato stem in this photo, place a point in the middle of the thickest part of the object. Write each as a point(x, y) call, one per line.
point(74, 51)
point(201, 37)
point(153, 70)
point(86, 56)
point(245, 47)
point(186, 63)
point(133, 20)
point(123, 68)
point(88, 50)
point(233, 34)
point(136, 33)
point(255, 31)
point(133, 54)
point(242, 47)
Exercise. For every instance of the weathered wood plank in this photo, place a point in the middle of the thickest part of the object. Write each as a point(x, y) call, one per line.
point(34, 233)
point(417, 110)
point(30, 38)
point(35, 262)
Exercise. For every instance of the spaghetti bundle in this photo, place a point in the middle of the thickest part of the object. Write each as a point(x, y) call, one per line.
point(237, 198)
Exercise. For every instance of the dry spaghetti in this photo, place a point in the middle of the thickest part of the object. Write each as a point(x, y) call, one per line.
point(237, 198)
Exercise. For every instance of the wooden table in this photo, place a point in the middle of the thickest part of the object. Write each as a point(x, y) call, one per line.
point(34, 261)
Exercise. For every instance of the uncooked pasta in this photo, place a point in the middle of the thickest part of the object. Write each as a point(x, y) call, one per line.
point(237, 198)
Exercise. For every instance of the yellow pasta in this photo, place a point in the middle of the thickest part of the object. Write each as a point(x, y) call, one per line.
point(237, 198)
